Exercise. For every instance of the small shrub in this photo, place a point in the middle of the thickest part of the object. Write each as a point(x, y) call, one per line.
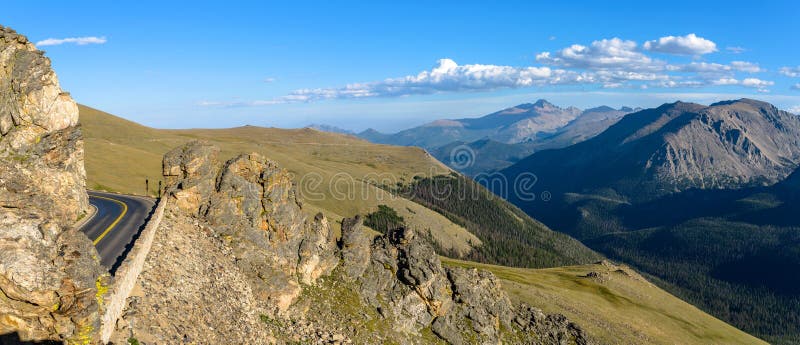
point(384, 219)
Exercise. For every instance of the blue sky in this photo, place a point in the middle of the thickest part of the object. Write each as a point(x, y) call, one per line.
point(389, 66)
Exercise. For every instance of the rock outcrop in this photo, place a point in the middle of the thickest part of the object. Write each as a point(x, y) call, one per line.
point(407, 284)
point(49, 272)
point(251, 202)
point(247, 208)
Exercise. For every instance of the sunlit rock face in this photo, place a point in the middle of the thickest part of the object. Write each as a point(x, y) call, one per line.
point(49, 271)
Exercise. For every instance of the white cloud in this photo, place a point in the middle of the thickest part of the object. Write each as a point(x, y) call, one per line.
point(270, 80)
point(700, 67)
point(796, 86)
point(446, 76)
point(604, 54)
point(690, 44)
point(795, 109)
point(712, 67)
point(608, 63)
point(75, 40)
point(725, 81)
point(757, 83)
point(744, 66)
point(792, 72)
point(736, 50)
point(671, 84)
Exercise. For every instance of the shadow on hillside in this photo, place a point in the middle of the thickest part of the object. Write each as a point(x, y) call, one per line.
point(774, 271)
point(14, 339)
point(750, 205)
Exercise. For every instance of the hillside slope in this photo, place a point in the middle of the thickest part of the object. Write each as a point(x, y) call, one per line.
point(614, 304)
point(340, 175)
point(121, 154)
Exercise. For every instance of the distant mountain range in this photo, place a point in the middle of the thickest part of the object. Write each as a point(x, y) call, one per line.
point(521, 123)
point(331, 129)
point(704, 198)
point(676, 147)
point(500, 139)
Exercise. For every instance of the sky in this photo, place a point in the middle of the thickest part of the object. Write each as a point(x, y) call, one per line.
point(391, 66)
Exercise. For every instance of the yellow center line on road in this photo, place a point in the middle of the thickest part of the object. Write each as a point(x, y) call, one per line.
point(110, 227)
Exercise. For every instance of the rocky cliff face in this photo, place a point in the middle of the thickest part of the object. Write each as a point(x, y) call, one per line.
point(49, 271)
point(305, 282)
point(673, 148)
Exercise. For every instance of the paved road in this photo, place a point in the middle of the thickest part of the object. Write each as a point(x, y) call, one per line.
point(118, 219)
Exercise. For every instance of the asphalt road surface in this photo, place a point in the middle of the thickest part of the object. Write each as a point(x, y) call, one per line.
point(118, 219)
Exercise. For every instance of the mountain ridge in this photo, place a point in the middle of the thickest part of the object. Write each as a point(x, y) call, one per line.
point(678, 146)
point(520, 123)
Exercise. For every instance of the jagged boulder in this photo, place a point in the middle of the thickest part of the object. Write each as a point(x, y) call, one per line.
point(318, 255)
point(355, 248)
point(49, 272)
point(190, 172)
point(403, 279)
point(252, 203)
point(407, 284)
point(540, 328)
point(480, 299)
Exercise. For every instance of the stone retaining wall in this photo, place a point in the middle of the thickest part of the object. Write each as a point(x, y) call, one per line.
point(128, 272)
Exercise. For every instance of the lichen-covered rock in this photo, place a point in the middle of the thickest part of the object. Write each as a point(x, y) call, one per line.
point(49, 272)
point(190, 172)
point(481, 300)
point(252, 203)
point(355, 247)
point(539, 328)
point(419, 267)
point(399, 301)
point(407, 284)
point(318, 255)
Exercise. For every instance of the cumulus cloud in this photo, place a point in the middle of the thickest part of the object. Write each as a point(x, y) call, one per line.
point(792, 72)
point(747, 82)
point(796, 86)
point(795, 109)
point(71, 40)
point(690, 44)
point(611, 53)
point(446, 76)
point(607, 63)
point(757, 83)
